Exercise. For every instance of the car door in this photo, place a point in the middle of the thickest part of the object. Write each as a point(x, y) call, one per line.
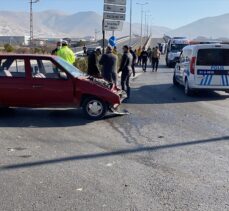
point(179, 68)
point(52, 90)
point(15, 88)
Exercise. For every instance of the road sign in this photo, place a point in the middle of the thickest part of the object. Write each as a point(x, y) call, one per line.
point(112, 41)
point(110, 25)
point(114, 8)
point(114, 16)
point(118, 2)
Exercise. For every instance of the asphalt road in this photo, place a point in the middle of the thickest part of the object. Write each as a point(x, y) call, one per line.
point(170, 153)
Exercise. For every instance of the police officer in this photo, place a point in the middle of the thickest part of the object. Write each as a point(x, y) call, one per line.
point(66, 53)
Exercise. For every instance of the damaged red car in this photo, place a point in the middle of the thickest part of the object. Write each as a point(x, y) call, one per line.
point(38, 81)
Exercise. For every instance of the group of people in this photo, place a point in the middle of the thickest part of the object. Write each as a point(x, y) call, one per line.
point(109, 62)
point(153, 55)
point(110, 69)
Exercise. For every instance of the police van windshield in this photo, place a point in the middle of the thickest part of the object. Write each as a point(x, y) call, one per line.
point(177, 47)
point(69, 68)
point(213, 57)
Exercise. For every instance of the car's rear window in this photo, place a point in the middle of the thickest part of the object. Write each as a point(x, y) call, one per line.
point(213, 57)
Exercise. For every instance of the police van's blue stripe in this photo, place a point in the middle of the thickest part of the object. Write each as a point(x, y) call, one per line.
point(206, 80)
point(226, 80)
point(210, 80)
point(202, 81)
point(223, 80)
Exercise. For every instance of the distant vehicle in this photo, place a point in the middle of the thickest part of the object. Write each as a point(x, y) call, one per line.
point(90, 51)
point(174, 48)
point(203, 67)
point(47, 81)
point(163, 48)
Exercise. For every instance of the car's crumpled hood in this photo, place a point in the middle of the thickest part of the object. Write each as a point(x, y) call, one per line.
point(99, 82)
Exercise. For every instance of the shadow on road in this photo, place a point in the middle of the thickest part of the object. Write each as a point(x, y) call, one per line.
point(22, 117)
point(41, 118)
point(112, 153)
point(168, 93)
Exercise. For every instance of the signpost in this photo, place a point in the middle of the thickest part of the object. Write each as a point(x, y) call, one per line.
point(110, 25)
point(117, 2)
point(114, 8)
point(113, 17)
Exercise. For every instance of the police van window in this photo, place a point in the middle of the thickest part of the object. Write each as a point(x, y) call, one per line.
point(42, 68)
point(213, 57)
point(11, 67)
point(187, 55)
point(182, 57)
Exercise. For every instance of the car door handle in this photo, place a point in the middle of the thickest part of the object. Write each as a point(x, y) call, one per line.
point(37, 86)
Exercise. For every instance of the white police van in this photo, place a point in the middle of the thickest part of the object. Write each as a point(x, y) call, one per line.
point(203, 67)
point(174, 48)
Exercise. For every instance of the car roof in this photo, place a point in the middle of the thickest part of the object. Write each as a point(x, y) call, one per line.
point(28, 55)
point(207, 46)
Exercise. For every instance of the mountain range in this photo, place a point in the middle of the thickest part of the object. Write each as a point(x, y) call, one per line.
point(59, 24)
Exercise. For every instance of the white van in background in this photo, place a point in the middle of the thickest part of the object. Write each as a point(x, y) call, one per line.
point(203, 67)
point(174, 48)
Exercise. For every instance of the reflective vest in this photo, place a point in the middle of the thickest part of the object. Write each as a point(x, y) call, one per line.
point(67, 54)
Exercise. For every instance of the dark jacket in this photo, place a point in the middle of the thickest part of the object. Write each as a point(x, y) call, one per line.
point(109, 70)
point(93, 69)
point(134, 57)
point(144, 55)
point(126, 64)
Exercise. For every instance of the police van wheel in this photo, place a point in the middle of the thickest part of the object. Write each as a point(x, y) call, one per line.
point(175, 83)
point(94, 108)
point(187, 89)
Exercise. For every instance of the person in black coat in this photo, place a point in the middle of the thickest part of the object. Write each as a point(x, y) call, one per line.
point(144, 56)
point(93, 69)
point(109, 63)
point(126, 69)
point(134, 60)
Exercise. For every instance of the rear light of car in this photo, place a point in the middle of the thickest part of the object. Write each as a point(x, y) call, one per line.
point(193, 65)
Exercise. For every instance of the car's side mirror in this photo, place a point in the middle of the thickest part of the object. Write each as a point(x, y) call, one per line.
point(63, 76)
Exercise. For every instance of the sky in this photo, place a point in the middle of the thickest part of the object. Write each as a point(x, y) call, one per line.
point(168, 13)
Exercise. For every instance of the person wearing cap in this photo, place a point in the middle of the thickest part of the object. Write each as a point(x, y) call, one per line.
point(126, 69)
point(93, 66)
point(66, 53)
point(109, 66)
point(58, 47)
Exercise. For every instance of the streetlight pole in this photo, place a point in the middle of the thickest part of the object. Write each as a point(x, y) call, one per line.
point(142, 4)
point(31, 19)
point(131, 4)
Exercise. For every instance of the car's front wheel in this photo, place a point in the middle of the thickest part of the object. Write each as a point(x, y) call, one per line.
point(94, 108)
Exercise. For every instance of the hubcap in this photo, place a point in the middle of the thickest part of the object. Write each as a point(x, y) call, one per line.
point(94, 108)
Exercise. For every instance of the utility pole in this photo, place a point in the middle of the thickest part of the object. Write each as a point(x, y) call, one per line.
point(142, 4)
point(130, 40)
point(31, 20)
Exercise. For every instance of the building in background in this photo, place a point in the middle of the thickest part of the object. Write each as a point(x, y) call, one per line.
point(14, 40)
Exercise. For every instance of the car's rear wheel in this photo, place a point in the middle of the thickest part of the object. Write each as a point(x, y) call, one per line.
point(94, 108)
point(175, 83)
point(187, 89)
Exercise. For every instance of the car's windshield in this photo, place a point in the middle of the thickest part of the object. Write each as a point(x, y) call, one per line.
point(177, 47)
point(75, 72)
